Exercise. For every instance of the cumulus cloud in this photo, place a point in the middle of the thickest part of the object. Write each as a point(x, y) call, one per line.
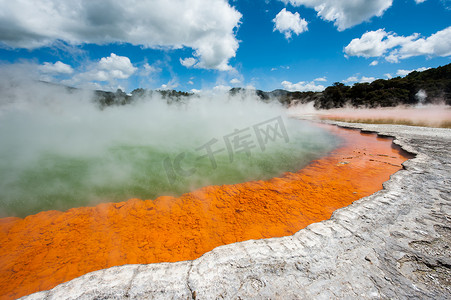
point(56, 68)
point(375, 43)
point(235, 81)
point(438, 44)
point(419, 1)
point(188, 62)
point(303, 86)
point(380, 43)
point(221, 88)
point(367, 79)
point(323, 79)
point(288, 23)
point(107, 71)
point(374, 63)
point(363, 79)
point(207, 26)
point(351, 79)
point(345, 13)
point(116, 66)
point(407, 72)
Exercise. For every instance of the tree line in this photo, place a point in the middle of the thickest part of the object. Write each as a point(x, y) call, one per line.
point(431, 86)
point(428, 87)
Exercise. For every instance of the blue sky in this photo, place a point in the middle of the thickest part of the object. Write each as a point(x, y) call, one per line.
point(218, 44)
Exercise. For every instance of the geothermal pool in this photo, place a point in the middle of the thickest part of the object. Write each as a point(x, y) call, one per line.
point(60, 151)
point(245, 185)
point(60, 180)
point(46, 249)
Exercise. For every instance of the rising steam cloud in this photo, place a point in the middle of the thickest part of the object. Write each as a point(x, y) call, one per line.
point(59, 150)
point(431, 115)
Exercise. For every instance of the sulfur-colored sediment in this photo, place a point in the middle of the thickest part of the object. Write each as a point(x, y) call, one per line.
point(46, 249)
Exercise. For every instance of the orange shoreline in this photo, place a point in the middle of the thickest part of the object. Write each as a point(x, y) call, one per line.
point(52, 247)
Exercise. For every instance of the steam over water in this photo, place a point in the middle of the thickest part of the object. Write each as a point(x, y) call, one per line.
point(59, 150)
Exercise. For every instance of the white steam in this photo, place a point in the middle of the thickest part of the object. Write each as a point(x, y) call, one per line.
point(421, 96)
point(48, 129)
point(432, 115)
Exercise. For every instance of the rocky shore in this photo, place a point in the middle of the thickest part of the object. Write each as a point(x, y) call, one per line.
point(393, 244)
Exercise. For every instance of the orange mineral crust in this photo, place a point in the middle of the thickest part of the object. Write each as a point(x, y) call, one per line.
point(51, 247)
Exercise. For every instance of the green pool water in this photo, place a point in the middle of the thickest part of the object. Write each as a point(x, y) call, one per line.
point(49, 162)
point(60, 182)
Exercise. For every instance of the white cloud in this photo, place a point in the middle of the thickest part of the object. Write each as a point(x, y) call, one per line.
point(375, 43)
point(116, 66)
point(207, 26)
point(107, 70)
point(281, 67)
point(374, 63)
point(149, 69)
point(363, 79)
point(188, 62)
point(56, 68)
point(393, 47)
point(303, 86)
point(419, 1)
point(221, 88)
point(172, 84)
point(323, 79)
point(438, 44)
point(351, 79)
point(235, 81)
point(407, 72)
point(190, 82)
point(388, 75)
point(367, 79)
point(289, 23)
point(403, 72)
point(345, 13)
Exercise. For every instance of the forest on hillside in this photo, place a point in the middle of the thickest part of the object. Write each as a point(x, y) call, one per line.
point(432, 86)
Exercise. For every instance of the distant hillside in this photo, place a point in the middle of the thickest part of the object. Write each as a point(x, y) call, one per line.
point(430, 86)
point(105, 99)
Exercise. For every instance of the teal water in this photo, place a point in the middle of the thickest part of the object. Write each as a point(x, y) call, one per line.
point(60, 159)
point(55, 181)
